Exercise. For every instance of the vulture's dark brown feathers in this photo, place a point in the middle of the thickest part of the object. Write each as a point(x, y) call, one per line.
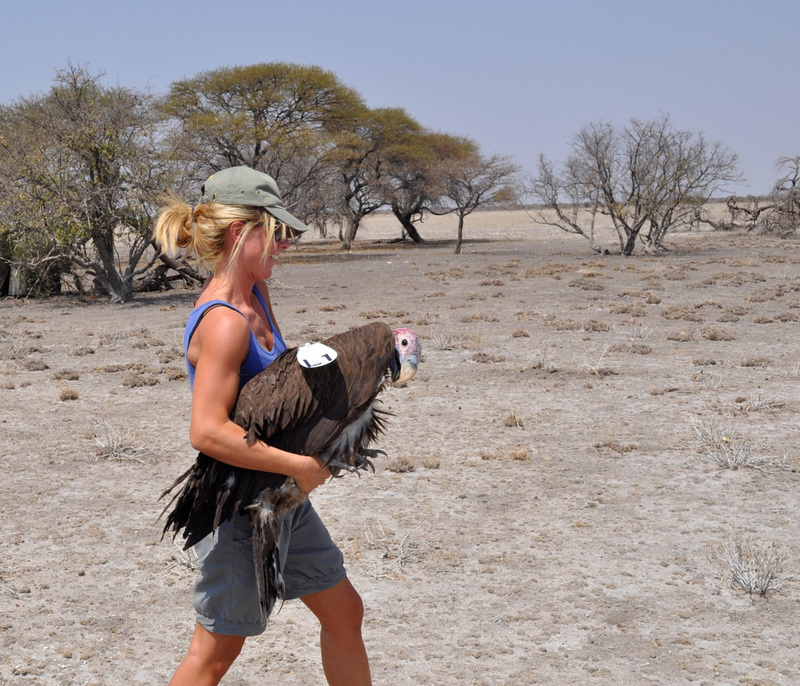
point(327, 411)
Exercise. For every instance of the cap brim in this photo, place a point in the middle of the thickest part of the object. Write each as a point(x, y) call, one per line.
point(291, 221)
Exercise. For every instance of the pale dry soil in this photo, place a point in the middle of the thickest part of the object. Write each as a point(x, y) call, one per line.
point(544, 514)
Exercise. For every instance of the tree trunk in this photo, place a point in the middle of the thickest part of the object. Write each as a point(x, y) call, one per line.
point(408, 225)
point(460, 234)
point(630, 244)
point(119, 289)
point(350, 234)
point(20, 282)
point(5, 271)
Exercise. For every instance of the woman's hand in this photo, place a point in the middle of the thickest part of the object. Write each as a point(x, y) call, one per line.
point(311, 473)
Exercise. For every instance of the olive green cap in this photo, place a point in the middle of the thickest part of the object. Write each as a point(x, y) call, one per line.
point(246, 186)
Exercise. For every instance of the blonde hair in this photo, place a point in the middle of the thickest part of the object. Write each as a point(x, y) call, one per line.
point(201, 230)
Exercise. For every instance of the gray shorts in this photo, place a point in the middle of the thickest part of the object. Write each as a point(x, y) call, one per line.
point(225, 593)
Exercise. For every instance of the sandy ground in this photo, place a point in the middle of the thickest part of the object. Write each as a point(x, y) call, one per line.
point(545, 514)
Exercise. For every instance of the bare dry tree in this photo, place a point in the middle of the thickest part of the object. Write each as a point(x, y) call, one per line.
point(647, 177)
point(777, 213)
point(784, 219)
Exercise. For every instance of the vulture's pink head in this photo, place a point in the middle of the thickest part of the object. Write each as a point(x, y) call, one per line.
point(409, 352)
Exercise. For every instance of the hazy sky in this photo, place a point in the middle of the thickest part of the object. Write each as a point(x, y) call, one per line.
point(519, 77)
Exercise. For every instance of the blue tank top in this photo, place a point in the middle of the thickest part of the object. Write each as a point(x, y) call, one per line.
point(258, 357)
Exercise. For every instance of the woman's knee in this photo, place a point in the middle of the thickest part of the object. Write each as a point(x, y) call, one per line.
point(217, 651)
point(339, 609)
point(353, 611)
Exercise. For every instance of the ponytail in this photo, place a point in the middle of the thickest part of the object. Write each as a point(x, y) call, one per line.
point(173, 229)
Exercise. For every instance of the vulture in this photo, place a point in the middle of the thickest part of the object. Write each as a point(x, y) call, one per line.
point(314, 400)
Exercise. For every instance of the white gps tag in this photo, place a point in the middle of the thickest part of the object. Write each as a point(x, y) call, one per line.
point(315, 355)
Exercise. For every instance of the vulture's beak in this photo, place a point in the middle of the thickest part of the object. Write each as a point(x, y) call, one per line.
point(408, 368)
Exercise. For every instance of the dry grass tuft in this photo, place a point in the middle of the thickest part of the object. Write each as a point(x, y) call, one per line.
point(486, 358)
point(431, 462)
point(396, 554)
point(635, 309)
point(512, 419)
point(401, 465)
point(134, 380)
point(597, 369)
point(755, 568)
point(81, 351)
point(683, 312)
point(593, 325)
point(652, 298)
point(682, 336)
point(399, 315)
point(183, 559)
point(758, 362)
point(633, 331)
point(453, 342)
point(115, 444)
point(586, 285)
point(727, 448)
point(631, 348)
point(428, 318)
point(66, 375)
point(176, 374)
point(540, 361)
point(755, 402)
point(616, 446)
point(715, 333)
point(513, 455)
point(713, 381)
point(765, 294)
point(480, 317)
point(68, 394)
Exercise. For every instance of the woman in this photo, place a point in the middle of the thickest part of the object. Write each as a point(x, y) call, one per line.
point(238, 230)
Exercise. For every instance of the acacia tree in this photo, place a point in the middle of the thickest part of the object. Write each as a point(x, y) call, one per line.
point(473, 180)
point(278, 118)
point(415, 175)
point(363, 157)
point(79, 168)
point(647, 177)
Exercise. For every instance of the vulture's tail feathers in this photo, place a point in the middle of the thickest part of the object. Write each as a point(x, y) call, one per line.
point(266, 556)
point(265, 513)
point(209, 496)
point(169, 490)
point(222, 499)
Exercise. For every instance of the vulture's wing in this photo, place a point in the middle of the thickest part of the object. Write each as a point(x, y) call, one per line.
point(306, 410)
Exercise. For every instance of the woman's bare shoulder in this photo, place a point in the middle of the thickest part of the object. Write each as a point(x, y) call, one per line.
point(222, 334)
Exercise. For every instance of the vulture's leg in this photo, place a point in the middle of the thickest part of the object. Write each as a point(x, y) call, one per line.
point(264, 515)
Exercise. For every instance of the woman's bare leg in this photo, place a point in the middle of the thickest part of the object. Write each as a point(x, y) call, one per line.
point(344, 657)
point(209, 656)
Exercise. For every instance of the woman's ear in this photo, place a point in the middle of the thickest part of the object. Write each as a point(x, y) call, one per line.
point(236, 229)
